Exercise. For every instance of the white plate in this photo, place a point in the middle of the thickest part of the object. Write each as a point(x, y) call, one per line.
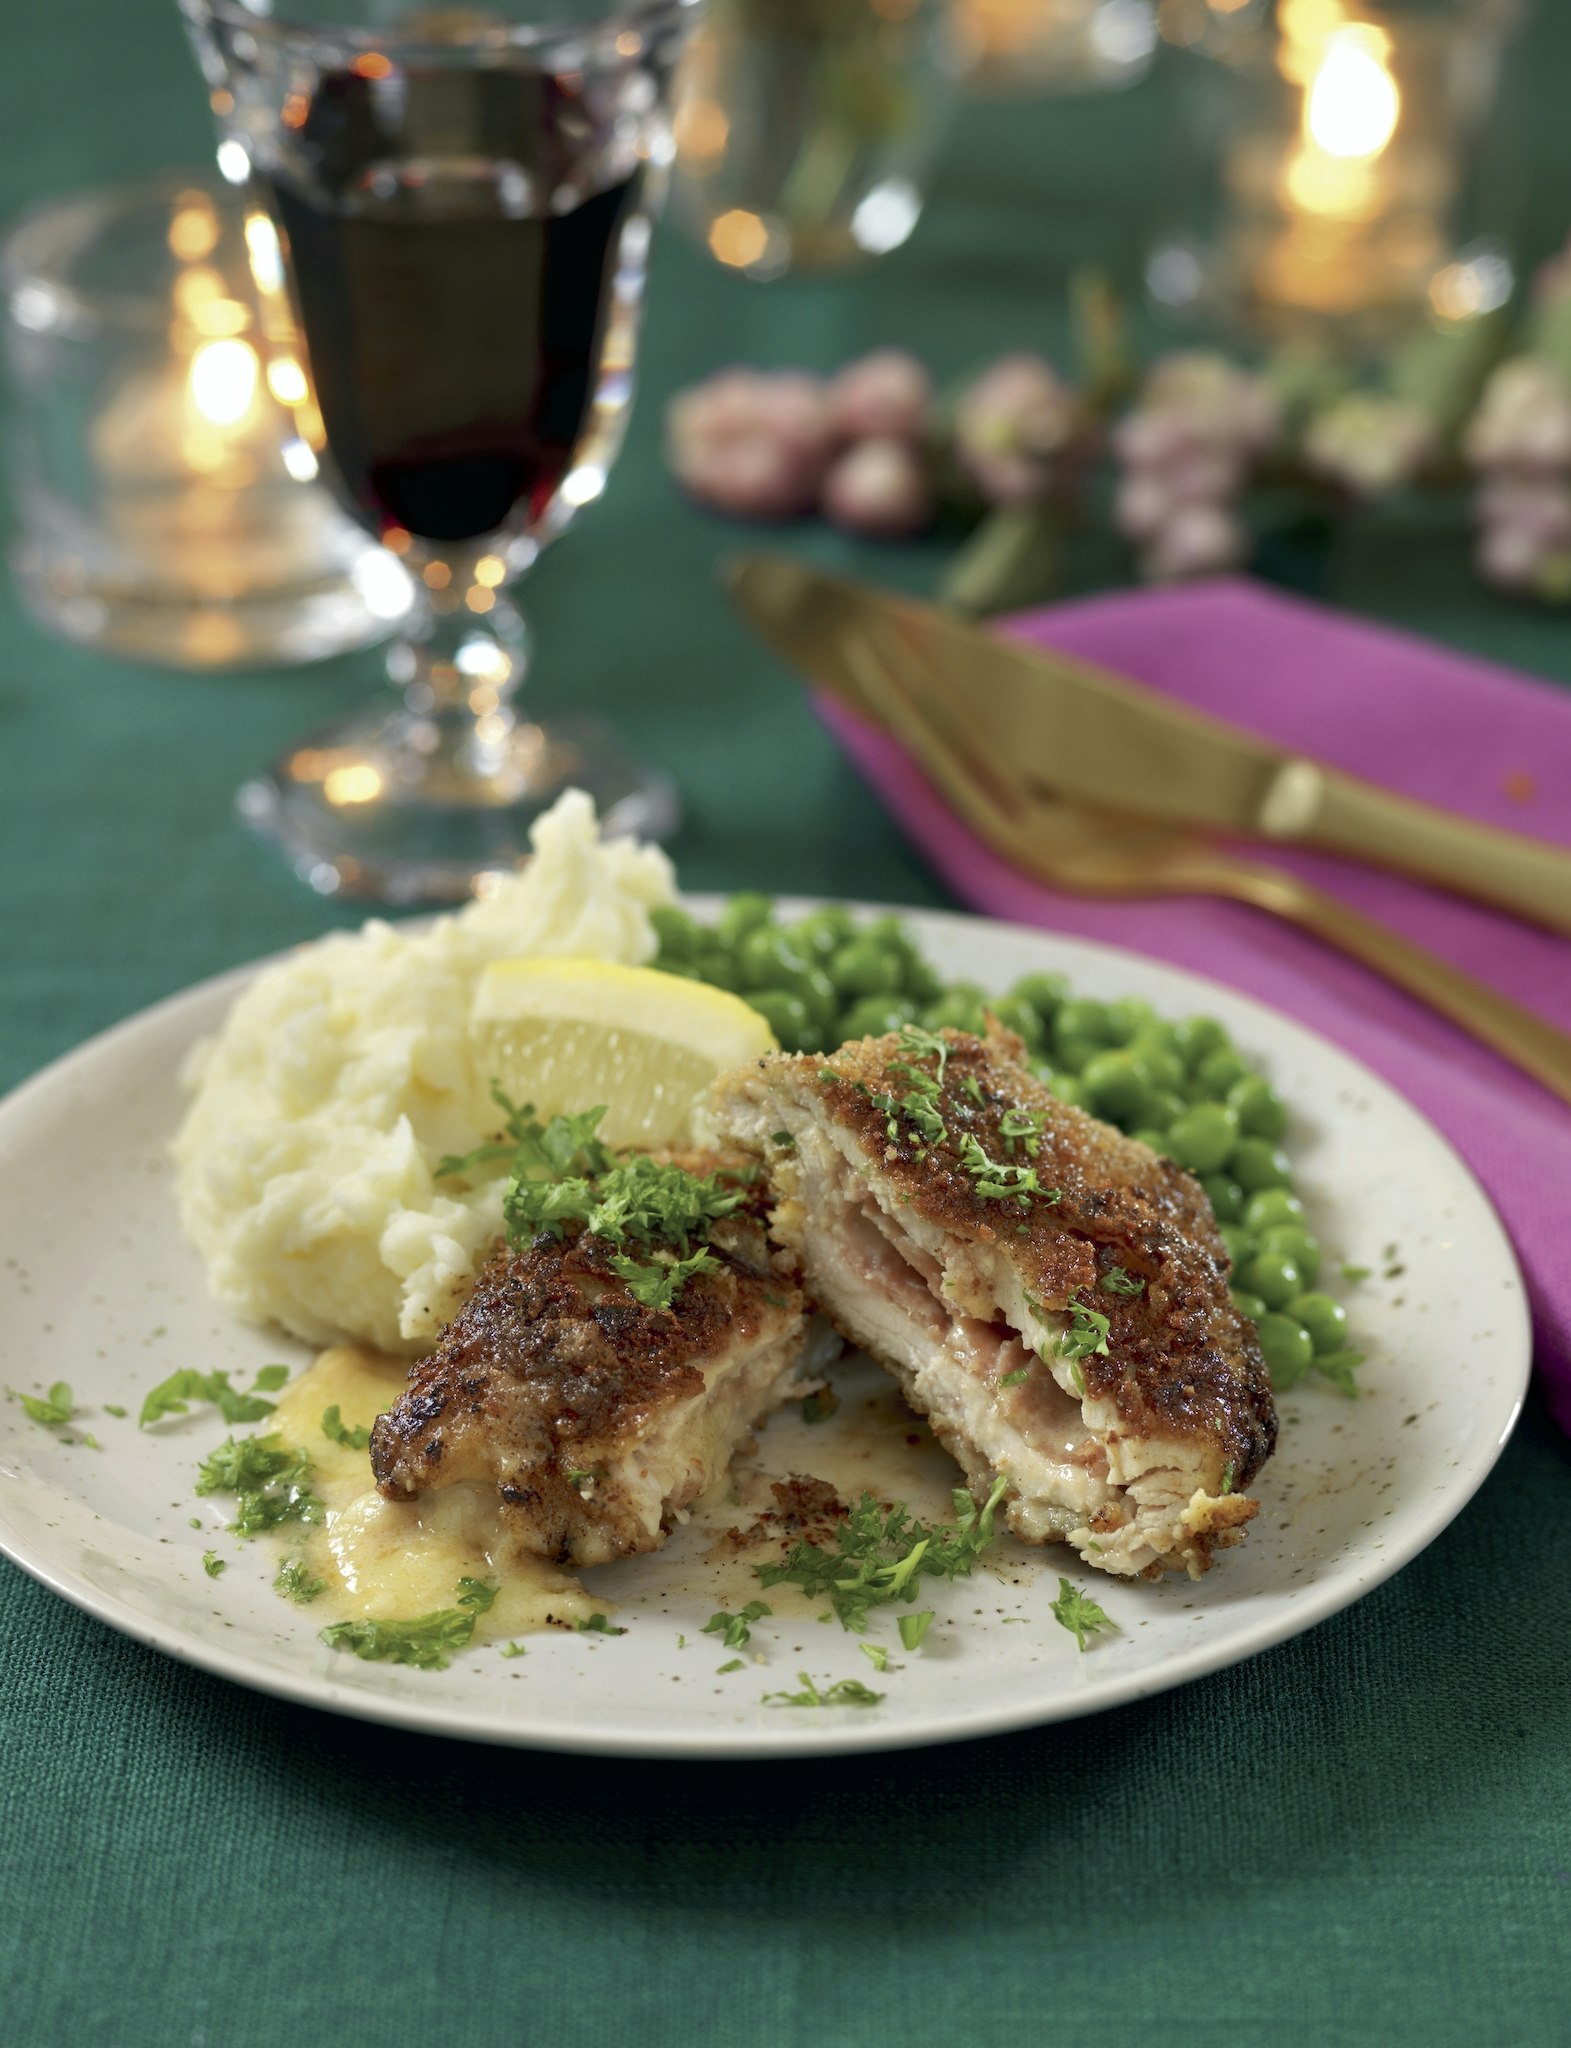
point(97, 1287)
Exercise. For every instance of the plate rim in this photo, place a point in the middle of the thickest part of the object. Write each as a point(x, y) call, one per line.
point(1305, 1611)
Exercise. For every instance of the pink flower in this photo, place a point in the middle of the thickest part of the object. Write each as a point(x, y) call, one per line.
point(1536, 506)
point(1198, 540)
point(753, 445)
point(1220, 404)
point(884, 396)
point(1524, 419)
point(879, 487)
point(1011, 426)
point(1142, 507)
point(1369, 442)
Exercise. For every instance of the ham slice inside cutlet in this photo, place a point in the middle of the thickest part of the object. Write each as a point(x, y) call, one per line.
point(958, 1222)
point(599, 1419)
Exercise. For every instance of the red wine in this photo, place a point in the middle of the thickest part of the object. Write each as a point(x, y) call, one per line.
point(453, 310)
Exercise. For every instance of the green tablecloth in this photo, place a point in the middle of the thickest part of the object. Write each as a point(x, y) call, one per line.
point(1364, 1835)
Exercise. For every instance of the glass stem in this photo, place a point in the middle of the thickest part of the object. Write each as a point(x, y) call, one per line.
point(459, 670)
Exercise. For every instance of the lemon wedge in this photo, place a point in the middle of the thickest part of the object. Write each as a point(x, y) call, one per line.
point(568, 1034)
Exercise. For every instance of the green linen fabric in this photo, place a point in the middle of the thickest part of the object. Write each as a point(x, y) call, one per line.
point(1364, 1835)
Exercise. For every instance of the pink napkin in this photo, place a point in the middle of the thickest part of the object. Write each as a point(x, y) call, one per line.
point(1436, 725)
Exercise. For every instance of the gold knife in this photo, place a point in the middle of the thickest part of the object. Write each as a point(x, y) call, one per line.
point(1082, 734)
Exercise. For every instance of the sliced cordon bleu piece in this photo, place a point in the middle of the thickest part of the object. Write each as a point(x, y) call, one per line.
point(1050, 1294)
point(598, 1418)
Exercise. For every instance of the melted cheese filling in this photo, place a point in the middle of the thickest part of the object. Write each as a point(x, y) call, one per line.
point(393, 1560)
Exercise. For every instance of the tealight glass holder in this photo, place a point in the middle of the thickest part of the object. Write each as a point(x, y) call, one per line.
point(1333, 187)
point(805, 129)
point(164, 506)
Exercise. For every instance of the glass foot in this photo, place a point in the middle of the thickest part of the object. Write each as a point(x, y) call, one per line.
point(389, 809)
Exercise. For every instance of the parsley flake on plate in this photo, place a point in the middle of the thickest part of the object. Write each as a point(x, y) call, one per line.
point(337, 1431)
point(269, 1480)
point(1086, 1335)
point(820, 1405)
point(295, 1581)
point(913, 1627)
point(881, 1554)
point(1079, 1613)
point(213, 1564)
point(597, 1625)
point(733, 1629)
point(174, 1395)
point(845, 1692)
point(1116, 1281)
point(48, 1410)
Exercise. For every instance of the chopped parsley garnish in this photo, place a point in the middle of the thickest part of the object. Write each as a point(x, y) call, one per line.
point(733, 1629)
point(514, 1650)
point(783, 1139)
point(972, 1087)
point(267, 1478)
point(881, 1554)
point(736, 1664)
point(213, 1564)
point(658, 1283)
point(1086, 1335)
point(876, 1654)
point(424, 1642)
point(51, 1409)
point(1016, 1378)
point(113, 1408)
point(337, 1431)
point(913, 1627)
point(819, 1406)
point(478, 1595)
point(1079, 1613)
point(1116, 1281)
point(1021, 1127)
point(1227, 1480)
point(597, 1625)
point(1353, 1274)
point(999, 1181)
point(845, 1692)
point(916, 1038)
point(174, 1395)
point(296, 1582)
point(656, 1213)
point(1339, 1367)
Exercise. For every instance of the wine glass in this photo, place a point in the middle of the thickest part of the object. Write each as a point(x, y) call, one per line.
point(448, 217)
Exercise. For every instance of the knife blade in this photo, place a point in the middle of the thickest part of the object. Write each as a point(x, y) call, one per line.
point(1086, 735)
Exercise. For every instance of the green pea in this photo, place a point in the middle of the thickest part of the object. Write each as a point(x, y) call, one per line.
point(1286, 1347)
point(1295, 1244)
point(680, 936)
point(1068, 1089)
point(718, 969)
point(742, 914)
point(1015, 1015)
point(1157, 1061)
point(1044, 992)
point(1204, 1137)
point(1225, 1196)
point(1273, 1277)
point(1217, 1075)
point(1241, 1246)
point(1072, 1055)
point(1261, 1111)
point(959, 1010)
point(766, 958)
point(1128, 1017)
point(873, 1016)
point(821, 934)
point(1082, 1020)
point(786, 1015)
point(1248, 1304)
point(863, 968)
point(1323, 1318)
point(1148, 1134)
point(819, 993)
point(1167, 1108)
point(1196, 1038)
point(1257, 1163)
point(1115, 1087)
point(893, 933)
point(920, 983)
point(1273, 1206)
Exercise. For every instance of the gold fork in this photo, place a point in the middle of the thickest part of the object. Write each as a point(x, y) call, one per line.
point(1099, 853)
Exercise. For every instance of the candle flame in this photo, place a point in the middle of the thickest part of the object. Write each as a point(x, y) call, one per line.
point(223, 381)
point(1352, 106)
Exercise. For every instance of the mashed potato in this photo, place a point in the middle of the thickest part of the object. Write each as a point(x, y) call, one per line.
point(343, 1074)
